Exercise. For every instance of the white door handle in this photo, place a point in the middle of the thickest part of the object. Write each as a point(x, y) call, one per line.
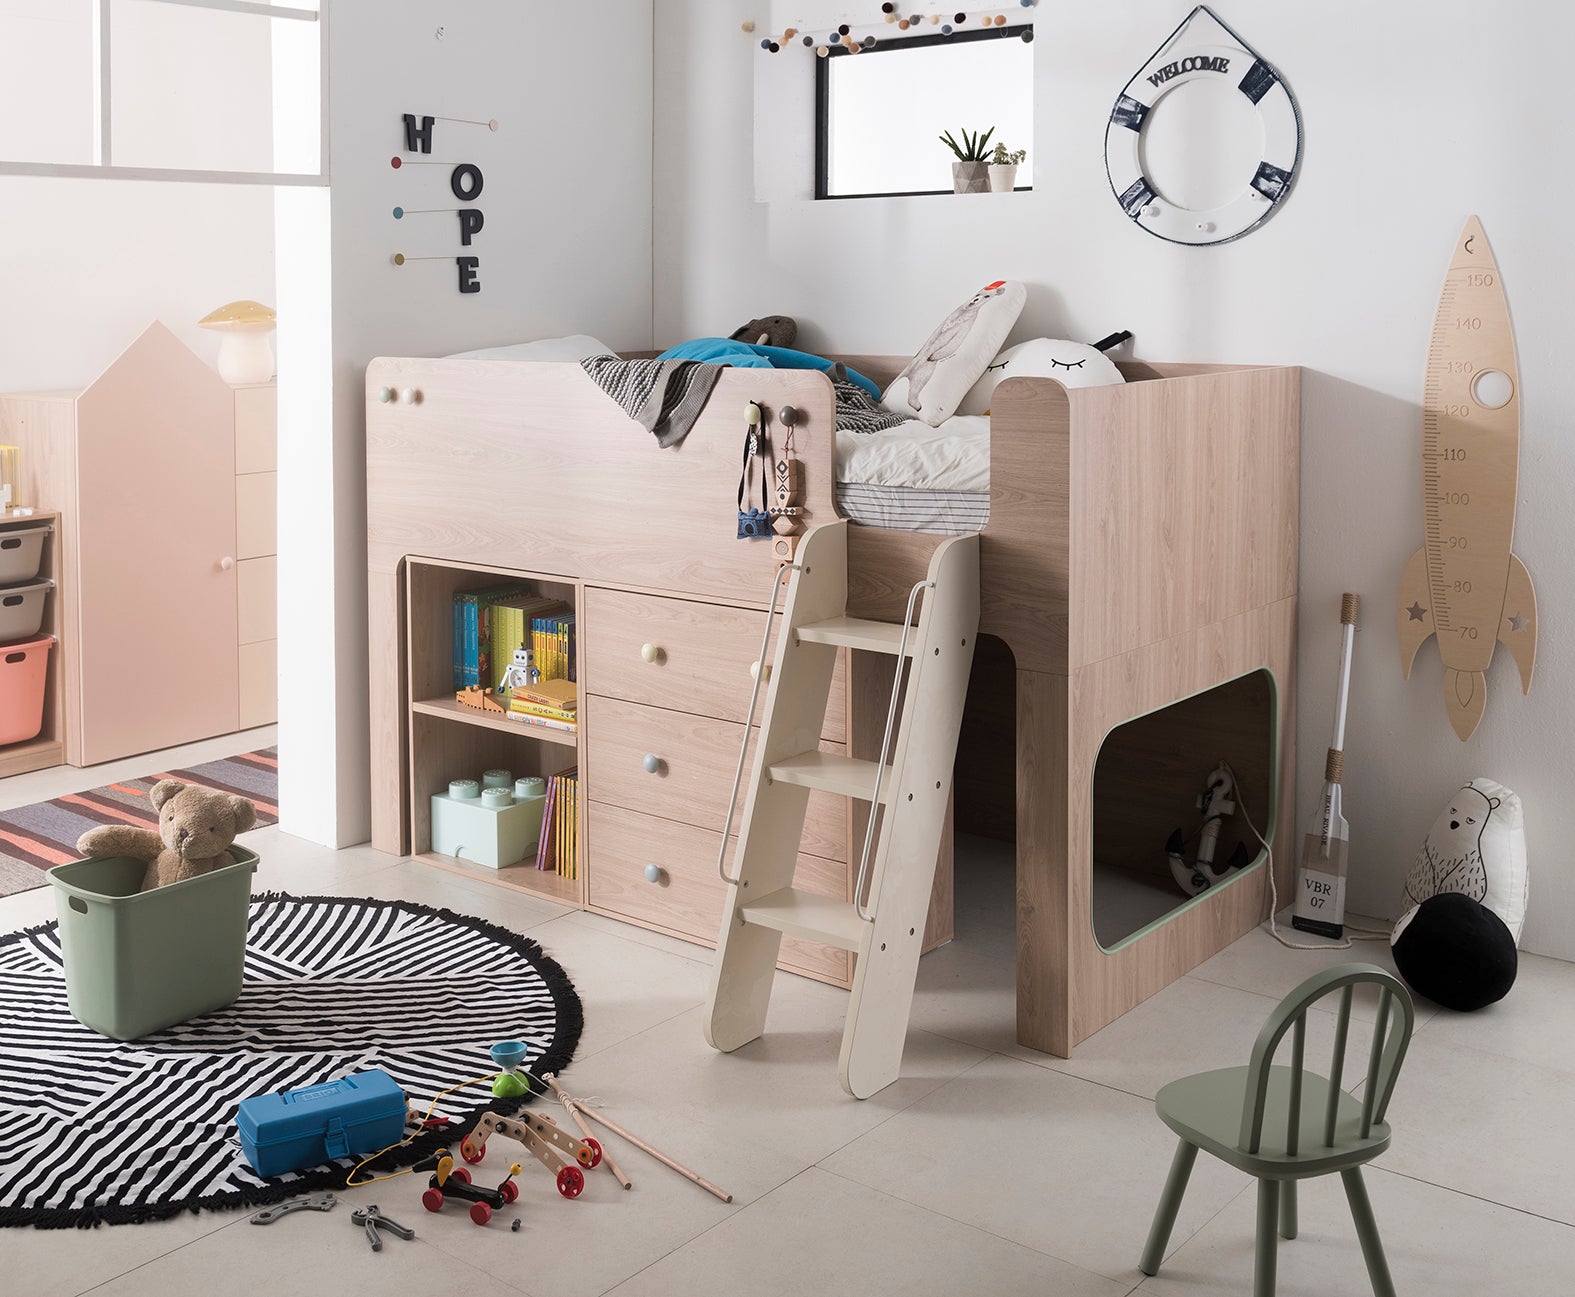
point(226, 563)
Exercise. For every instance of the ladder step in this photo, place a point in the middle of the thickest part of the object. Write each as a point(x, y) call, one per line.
point(857, 633)
point(807, 915)
point(831, 773)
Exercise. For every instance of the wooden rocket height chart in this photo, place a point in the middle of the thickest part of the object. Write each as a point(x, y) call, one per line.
point(1465, 585)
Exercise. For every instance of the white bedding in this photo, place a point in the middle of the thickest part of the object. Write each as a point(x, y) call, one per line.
point(952, 457)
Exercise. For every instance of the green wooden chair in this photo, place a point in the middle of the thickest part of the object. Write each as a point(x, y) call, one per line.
point(1284, 1124)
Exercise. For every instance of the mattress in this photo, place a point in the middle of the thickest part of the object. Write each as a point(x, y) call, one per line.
point(916, 478)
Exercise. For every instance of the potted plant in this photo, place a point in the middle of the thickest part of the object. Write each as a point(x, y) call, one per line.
point(971, 171)
point(1003, 168)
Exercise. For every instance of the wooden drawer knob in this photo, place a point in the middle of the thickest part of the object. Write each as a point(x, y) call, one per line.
point(650, 652)
point(652, 763)
point(754, 670)
point(654, 873)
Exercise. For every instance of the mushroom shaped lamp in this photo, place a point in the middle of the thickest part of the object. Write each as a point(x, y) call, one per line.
point(244, 354)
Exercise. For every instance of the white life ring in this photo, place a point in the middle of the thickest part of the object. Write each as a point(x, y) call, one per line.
point(1180, 60)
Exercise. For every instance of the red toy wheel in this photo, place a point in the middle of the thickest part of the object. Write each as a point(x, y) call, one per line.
point(596, 1152)
point(571, 1181)
point(480, 1212)
point(462, 1174)
point(472, 1153)
point(432, 1200)
point(509, 1190)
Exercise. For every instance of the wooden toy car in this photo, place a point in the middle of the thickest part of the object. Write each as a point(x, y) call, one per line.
point(450, 1181)
point(549, 1144)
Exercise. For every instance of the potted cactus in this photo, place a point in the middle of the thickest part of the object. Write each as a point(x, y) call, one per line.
point(971, 171)
point(1003, 168)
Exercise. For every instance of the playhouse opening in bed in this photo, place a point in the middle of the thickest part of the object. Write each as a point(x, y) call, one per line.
point(1155, 849)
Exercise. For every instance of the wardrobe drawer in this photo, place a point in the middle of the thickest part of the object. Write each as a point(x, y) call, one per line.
point(702, 656)
point(696, 757)
point(687, 895)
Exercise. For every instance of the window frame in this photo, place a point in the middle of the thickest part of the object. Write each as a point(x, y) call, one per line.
point(103, 166)
point(823, 101)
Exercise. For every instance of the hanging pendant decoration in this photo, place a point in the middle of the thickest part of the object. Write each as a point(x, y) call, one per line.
point(847, 38)
point(1203, 48)
point(465, 182)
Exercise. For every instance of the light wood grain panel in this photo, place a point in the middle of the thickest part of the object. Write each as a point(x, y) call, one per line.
point(687, 898)
point(704, 652)
point(257, 429)
point(43, 427)
point(1185, 505)
point(256, 515)
point(257, 599)
point(553, 474)
point(1106, 984)
point(1045, 991)
point(388, 687)
point(698, 757)
point(441, 750)
point(259, 684)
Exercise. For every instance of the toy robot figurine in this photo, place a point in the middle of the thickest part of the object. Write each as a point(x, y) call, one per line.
point(520, 673)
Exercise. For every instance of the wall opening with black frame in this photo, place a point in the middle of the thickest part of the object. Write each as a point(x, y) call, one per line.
point(879, 121)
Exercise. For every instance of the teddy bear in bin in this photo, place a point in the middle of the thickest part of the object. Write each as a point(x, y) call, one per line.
point(196, 828)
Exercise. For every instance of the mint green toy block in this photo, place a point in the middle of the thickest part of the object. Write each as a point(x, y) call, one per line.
point(494, 822)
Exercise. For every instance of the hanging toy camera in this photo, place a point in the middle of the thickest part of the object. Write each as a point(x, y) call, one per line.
point(753, 523)
point(1199, 873)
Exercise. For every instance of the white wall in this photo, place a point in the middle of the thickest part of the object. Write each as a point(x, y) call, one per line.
point(566, 249)
point(1416, 114)
point(85, 265)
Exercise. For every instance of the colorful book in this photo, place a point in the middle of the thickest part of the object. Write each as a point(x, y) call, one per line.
point(548, 821)
point(511, 618)
point(531, 711)
point(560, 695)
point(545, 722)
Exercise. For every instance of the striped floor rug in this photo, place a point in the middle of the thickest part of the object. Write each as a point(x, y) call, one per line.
point(93, 1131)
point(32, 838)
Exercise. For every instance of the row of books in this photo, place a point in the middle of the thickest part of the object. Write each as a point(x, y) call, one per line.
point(552, 703)
point(552, 641)
point(559, 848)
point(489, 623)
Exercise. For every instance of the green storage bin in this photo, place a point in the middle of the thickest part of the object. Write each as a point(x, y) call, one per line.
point(137, 962)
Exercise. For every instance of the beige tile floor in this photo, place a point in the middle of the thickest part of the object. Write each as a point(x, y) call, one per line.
point(987, 1168)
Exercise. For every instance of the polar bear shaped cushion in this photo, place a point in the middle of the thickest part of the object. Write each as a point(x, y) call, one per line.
point(953, 357)
point(1476, 847)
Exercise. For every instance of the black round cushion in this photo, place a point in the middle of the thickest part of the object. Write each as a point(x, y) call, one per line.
point(1457, 952)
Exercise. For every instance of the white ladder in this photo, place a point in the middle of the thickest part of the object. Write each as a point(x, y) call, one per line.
point(883, 925)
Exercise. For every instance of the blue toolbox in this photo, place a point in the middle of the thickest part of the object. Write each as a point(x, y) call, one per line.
point(296, 1129)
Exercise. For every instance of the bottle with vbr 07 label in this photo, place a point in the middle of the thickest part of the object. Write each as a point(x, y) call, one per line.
point(1320, 881)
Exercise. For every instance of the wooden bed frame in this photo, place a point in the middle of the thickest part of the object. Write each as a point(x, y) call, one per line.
point(1141, 549)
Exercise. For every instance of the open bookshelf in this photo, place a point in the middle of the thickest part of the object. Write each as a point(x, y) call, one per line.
point(48, 748)
point(449, 740)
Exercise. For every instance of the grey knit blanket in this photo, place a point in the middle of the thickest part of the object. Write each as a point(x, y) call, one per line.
point(664, 396)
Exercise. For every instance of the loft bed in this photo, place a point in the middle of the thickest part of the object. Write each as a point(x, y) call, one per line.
point(1138, 616)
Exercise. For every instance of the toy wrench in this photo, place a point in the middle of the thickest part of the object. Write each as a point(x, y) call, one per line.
point(318, 1202)
point(373, 1221)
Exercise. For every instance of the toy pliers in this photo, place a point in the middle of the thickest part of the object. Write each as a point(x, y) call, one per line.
point(373, 1221)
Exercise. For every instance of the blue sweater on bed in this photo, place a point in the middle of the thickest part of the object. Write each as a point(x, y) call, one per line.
point(746, 355)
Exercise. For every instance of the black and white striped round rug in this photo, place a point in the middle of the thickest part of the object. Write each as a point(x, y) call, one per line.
point(97, 1131)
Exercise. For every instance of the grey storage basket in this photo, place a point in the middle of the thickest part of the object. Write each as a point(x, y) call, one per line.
point(22, 552)
point(22, 609)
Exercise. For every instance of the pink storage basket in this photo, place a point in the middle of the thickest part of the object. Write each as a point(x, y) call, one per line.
point(24, 669)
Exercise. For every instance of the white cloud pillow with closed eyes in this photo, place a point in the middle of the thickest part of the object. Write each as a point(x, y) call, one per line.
point(1073, 364)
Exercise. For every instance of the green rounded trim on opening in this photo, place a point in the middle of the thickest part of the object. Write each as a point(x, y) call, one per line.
point(1268, 828)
